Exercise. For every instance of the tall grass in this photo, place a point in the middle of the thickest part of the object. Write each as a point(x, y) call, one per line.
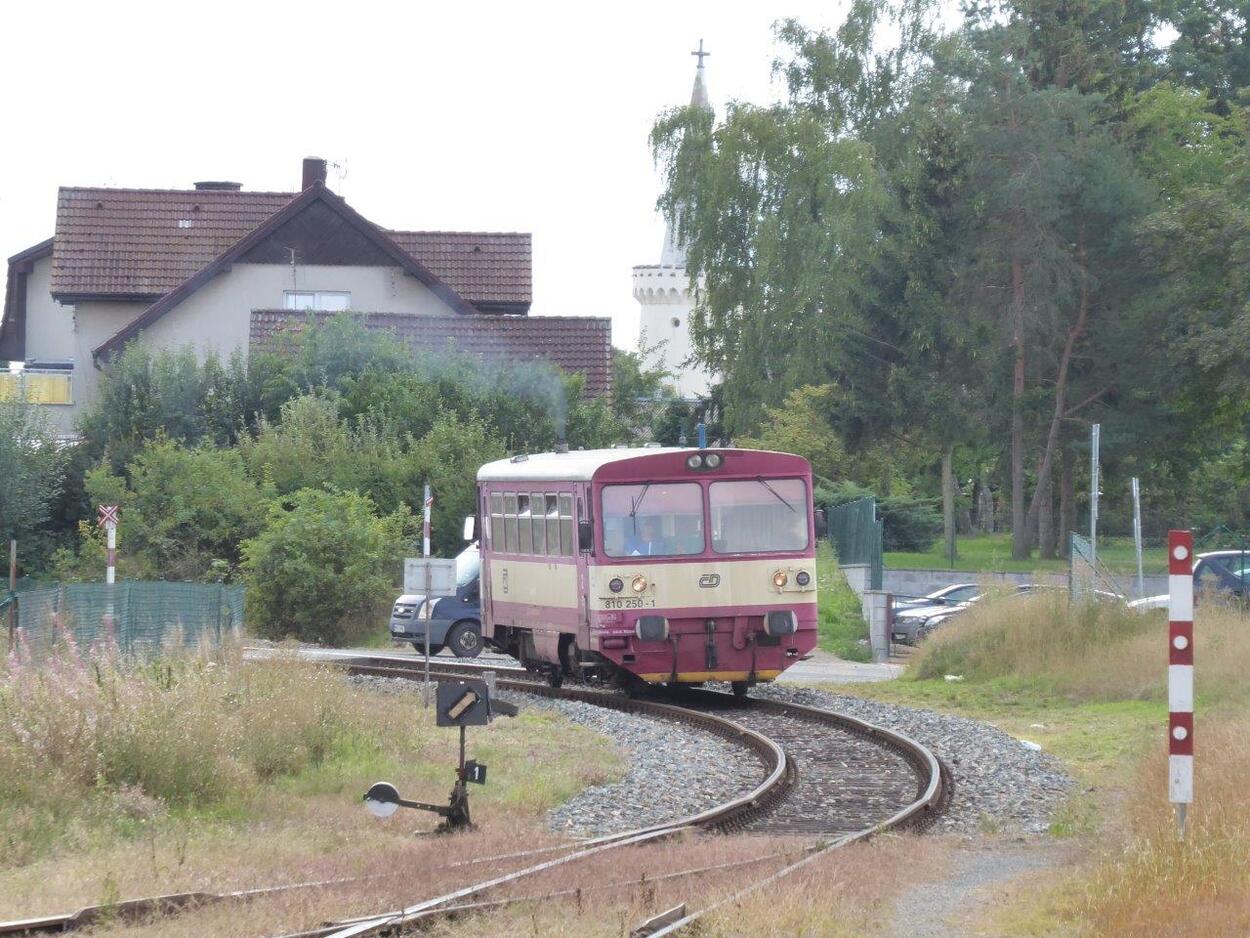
point(83, 733)
point(1090, 651)
point(1157, 884)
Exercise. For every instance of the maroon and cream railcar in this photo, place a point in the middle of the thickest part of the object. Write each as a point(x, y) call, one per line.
point(654, 565)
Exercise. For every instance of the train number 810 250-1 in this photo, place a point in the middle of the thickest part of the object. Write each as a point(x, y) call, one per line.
point(626, 602)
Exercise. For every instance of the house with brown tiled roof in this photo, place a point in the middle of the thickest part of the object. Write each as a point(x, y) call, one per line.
point(222, 268)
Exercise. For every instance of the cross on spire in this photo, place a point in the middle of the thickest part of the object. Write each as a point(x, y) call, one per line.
point(700, 53)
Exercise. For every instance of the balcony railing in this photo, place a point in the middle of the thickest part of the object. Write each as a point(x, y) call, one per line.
point(36, 386)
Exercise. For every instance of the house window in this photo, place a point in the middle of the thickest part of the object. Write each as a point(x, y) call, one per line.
point(320, 300)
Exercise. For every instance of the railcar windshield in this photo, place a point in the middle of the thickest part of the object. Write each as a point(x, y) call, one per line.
point(754, 515)
point(654, 519)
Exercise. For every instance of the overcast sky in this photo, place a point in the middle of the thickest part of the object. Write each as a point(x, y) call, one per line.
point(491, 115)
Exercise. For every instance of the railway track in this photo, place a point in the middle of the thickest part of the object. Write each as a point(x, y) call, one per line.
point(848, 780)
point(824, 774)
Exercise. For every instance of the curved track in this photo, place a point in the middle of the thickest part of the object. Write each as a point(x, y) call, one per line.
point(849, 779)
point(822, 773)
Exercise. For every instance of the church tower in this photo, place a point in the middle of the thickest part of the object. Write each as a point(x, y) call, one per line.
point(663, 291)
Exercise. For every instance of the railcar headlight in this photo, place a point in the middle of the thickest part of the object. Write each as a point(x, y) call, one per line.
point(694, 461)
point(712, 460)
point(780, 579)
point(616, 584)
point(802, 578)
point(638, 583)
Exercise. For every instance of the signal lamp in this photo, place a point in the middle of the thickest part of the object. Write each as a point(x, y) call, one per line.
point(694, 461)
point(712, 460)
point(802, 578)
point(616, 584)
point(638, 583)
point(780, 579)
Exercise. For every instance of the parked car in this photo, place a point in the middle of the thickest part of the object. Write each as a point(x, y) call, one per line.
point(911, 623)
point(454, 622)
point(1223, 573)
point(946, 596)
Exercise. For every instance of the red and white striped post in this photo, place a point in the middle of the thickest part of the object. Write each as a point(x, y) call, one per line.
point(428, 508)
point(108, 520)
point(1181, 672)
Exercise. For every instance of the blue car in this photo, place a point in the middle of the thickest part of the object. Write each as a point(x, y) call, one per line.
point(454, 622)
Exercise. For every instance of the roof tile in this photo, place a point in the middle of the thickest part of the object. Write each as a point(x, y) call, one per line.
point(146, 242)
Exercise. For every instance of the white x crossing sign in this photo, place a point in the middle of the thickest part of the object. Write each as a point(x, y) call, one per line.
point(107, 515)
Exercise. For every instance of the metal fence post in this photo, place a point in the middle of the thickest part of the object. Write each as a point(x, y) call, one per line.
point(12, 591)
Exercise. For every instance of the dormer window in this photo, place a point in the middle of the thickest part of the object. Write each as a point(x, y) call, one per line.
point(319, 300)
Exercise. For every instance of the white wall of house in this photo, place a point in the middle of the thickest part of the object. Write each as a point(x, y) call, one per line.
point(218, 315)
point(49, 325)
point(94, 322)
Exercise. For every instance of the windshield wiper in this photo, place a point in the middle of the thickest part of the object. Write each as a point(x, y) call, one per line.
point(760, 480)
point(633, 514)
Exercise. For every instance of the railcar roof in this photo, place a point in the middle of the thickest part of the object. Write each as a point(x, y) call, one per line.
point(583, 464)
point(578, 465)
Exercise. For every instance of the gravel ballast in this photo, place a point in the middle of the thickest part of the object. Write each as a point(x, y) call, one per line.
point(674, 771)
point(1000, 783)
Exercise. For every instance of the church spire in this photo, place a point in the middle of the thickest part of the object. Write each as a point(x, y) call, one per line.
point(698, 97)
point(674, 254)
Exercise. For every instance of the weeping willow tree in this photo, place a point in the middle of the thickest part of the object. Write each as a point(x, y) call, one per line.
point(819, 231)
point(777, 206)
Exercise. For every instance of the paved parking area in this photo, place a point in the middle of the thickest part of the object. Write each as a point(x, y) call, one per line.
point(826, 668)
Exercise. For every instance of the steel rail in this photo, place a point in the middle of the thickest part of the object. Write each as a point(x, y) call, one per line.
point(764, 794)
point(928, 769)
point(763, 798)
point(768, 791)
point(934, 795)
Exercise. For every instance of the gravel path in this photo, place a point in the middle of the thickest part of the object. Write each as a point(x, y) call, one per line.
point(674, 771)
point(943, 908)
point(1000, 784)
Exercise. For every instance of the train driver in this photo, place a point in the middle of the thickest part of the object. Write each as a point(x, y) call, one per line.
point(648, 540)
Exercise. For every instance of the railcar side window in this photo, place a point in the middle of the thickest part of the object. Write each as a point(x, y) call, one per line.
point(659, 519)
point(540, 523)
point(553, 523)
point(532, 523)
point(567, 547)
point(525, 525)
point(495, 531)
point(758, 515)
point(511, 541)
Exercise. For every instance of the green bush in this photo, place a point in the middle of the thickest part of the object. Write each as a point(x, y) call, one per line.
point(323, 567)
point(185, 511)
point(843, 630)
point(449, 457)
point(31, 473)
point(911, 524)
point(312, 446)
point(145, 393)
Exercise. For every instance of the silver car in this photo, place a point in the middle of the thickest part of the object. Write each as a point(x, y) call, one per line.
point(911, 623)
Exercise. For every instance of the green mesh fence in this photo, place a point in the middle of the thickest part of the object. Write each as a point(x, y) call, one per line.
point(858, 535)
point(145, 617)
point(1086, 573)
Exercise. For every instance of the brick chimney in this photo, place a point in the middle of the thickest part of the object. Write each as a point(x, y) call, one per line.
point(314, 171)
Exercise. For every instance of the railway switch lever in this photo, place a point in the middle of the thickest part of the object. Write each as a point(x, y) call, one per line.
point(461, 704)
